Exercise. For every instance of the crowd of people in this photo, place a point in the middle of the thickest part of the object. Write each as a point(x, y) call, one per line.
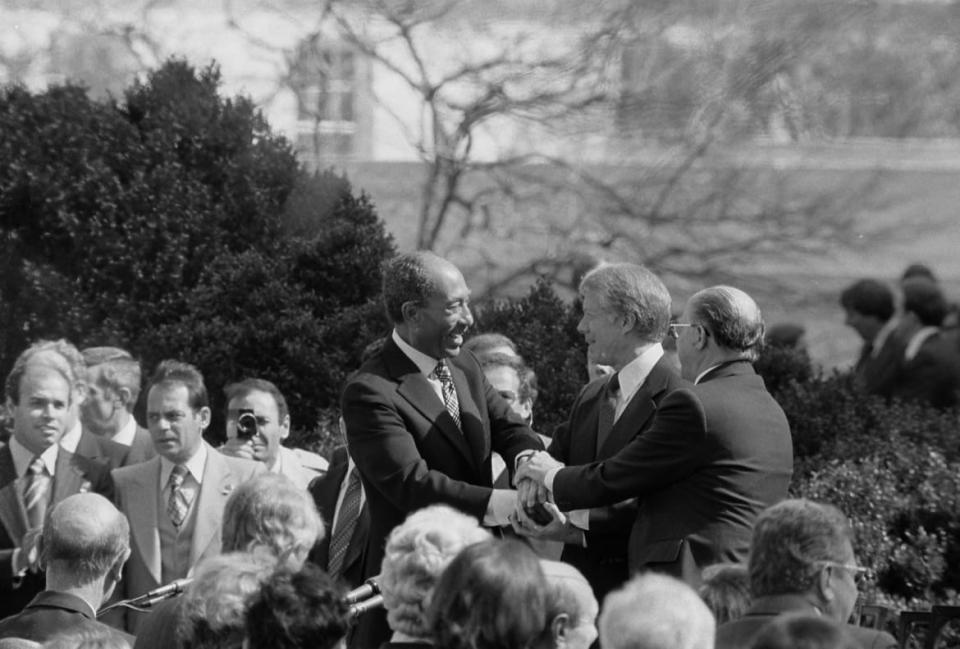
point(656, 517)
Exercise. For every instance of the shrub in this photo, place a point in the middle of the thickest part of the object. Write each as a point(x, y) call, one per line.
point(544, 329)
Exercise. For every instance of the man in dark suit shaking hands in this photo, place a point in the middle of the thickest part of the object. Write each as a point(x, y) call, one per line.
point(421, 418)
point(626, 311)
point(716, 454)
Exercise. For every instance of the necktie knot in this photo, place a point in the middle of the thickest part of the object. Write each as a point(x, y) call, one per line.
point(37, 467)
point(443, 372)
point(177, 476)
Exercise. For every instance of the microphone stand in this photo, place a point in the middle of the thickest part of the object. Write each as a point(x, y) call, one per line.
point(148, 599)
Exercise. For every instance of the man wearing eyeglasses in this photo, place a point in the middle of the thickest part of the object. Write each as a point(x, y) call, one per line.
point(802, 561)
point(717, 452)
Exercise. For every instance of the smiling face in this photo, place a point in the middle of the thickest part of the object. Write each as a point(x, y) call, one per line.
point(176, 428)
point(43, 411)
point(437, 326)
point(265, 445)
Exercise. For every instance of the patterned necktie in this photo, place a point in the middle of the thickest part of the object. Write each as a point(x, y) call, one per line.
point(608, 409)
point(346, 523)
point(177, 504)
point(35, 492)
point(450, 400)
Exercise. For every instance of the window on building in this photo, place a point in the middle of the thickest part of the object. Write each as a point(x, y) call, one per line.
point(324, 77)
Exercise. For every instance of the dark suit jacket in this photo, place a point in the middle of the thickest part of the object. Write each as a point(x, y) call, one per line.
point(716, 454)
point(52, 613)
point(325, 490)
point(604, 561)
point(94, 447)
point(932, 376)
point(739, 634)
point(74, 474)
point(877, 373)
point(409, 450)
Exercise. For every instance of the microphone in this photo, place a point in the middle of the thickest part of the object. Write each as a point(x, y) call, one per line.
point(358, 609)
point(367, 590)
point(151, 597)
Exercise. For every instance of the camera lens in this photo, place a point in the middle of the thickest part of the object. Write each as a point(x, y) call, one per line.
point(246, 425)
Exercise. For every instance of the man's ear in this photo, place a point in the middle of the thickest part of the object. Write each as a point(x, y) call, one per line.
point(410, 310)
point(702, 335)
point(204, 417)
point(628, 322)
point(824, 586)
point(285, 427)
point(124, 396)
point(558, 629)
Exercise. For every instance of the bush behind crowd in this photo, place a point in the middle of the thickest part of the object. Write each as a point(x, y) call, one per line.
point(174, 223)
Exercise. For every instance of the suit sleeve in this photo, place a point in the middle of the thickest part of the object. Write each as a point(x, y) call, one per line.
point(387, 455)
point(667, 452)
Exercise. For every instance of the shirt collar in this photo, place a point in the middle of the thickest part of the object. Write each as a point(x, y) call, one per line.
point(194, 466)
point(426, 364)
point(126, 434)
point(705, 372)
point(634, 373)
point(22, 457)
point(917, 340)
point(71, 438)
point(882, 335)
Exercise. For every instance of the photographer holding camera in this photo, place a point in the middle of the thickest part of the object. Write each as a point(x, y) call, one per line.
point(257, 422)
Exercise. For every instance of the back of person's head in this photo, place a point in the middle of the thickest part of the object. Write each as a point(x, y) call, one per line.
point(573, 606)
point(214, 606)
point(117, 369)
point(655, 611)
point(631, 291)
point(85, 540)
point(785, 335)
point(301, 609)
point(804, 631)
point(490, 343)
point(493, 595)
point(416, 553)
point(869, 297)
point(271, 513)
point(732, 318)
point(726, 590)
point(790, 541)
point(918, 270)
point(923, 298)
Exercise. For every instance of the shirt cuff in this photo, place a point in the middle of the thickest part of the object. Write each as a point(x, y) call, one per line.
point(580, 518)
point(549, 478)
point(522, 457)
point(502, 503)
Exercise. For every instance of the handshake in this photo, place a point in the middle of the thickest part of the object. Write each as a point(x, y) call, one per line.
point(534, 514)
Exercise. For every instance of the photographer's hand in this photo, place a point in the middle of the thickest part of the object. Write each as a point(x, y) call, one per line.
point(236, 447)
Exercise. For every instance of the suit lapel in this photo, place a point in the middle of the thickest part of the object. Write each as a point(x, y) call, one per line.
point(69, 478)
point(414, 387)
point(145, 488)
point(470, 421)
point(637, 412)
point(12, 514)
point(214, 490)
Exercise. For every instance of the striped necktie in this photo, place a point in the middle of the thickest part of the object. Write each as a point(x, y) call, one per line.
point(346, 524)
point(35, 492)
point(450, 400)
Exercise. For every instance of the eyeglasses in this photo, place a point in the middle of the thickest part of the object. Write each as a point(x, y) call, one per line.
point(673, 330)
point(861, 575)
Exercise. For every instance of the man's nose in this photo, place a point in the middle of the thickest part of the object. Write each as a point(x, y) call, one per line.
point(467, 316)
